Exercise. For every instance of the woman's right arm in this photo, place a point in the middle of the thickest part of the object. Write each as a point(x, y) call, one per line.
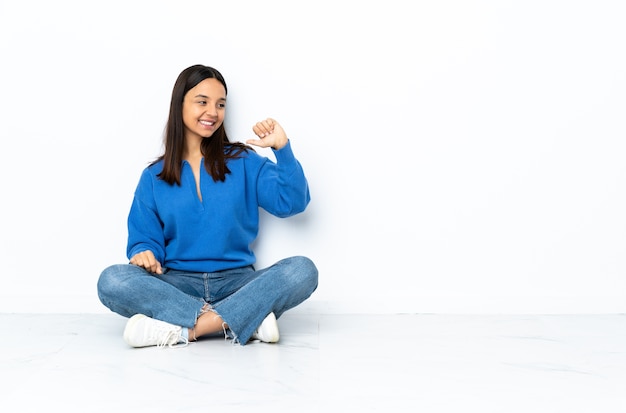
point(146, 244)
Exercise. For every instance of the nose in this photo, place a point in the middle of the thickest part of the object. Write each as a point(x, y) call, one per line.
point(211, 111)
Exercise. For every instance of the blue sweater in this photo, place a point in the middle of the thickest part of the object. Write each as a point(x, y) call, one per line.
point(216, 233)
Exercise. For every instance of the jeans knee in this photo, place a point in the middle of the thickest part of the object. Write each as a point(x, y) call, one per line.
point(307, 271)
point(110, 280)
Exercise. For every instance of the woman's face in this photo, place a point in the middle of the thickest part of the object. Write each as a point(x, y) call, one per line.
point(204, 107)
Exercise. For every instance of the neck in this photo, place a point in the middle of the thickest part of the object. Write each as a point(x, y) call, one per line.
point(192, 150)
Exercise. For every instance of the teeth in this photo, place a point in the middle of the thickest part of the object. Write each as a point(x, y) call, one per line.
point(207, 123)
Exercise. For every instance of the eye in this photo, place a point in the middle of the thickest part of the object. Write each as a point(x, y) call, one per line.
point(202, 102)
point(221, 105)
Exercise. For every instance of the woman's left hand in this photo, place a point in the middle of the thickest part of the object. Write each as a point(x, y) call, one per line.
point(270, 134)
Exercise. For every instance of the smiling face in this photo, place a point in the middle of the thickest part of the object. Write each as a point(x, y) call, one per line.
point(204, 107)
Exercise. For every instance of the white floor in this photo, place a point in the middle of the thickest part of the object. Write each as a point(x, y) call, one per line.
point(323, 363)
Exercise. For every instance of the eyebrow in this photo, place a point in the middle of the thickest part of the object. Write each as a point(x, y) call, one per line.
point(206, 97)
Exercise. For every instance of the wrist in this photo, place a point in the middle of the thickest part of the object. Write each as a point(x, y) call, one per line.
point(280, 145)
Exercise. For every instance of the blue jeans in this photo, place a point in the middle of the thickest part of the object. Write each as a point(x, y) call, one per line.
point(242, 297)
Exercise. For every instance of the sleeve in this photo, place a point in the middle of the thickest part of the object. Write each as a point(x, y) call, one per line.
point(145, 230)
point(282, 187)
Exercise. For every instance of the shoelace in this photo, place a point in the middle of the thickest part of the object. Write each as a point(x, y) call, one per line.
point(171, 339)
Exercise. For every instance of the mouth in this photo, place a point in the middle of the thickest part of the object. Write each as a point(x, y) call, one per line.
point(207, 123)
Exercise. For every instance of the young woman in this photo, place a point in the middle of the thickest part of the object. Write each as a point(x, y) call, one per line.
point(194, 216)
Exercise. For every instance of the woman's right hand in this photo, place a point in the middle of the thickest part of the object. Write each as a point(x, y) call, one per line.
point(145, 259)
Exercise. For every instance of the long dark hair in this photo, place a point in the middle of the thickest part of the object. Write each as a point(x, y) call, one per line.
point(216, 150)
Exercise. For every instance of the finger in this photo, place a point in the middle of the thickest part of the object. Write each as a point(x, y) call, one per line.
point(159, 269)
point(261, 131)
point(258, 142)
point(258, 131)
point(263, 128)
point(140, 263)
point(147, 261)
point(137, 260)
point(268, 123)
point(152, 264)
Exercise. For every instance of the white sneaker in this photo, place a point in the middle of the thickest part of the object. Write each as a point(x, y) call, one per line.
point(268, 330)
point(143, 331)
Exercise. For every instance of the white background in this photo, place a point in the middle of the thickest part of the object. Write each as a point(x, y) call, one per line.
point(463, 156)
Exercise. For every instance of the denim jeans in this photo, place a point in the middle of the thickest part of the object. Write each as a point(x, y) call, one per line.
point(242, 297)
